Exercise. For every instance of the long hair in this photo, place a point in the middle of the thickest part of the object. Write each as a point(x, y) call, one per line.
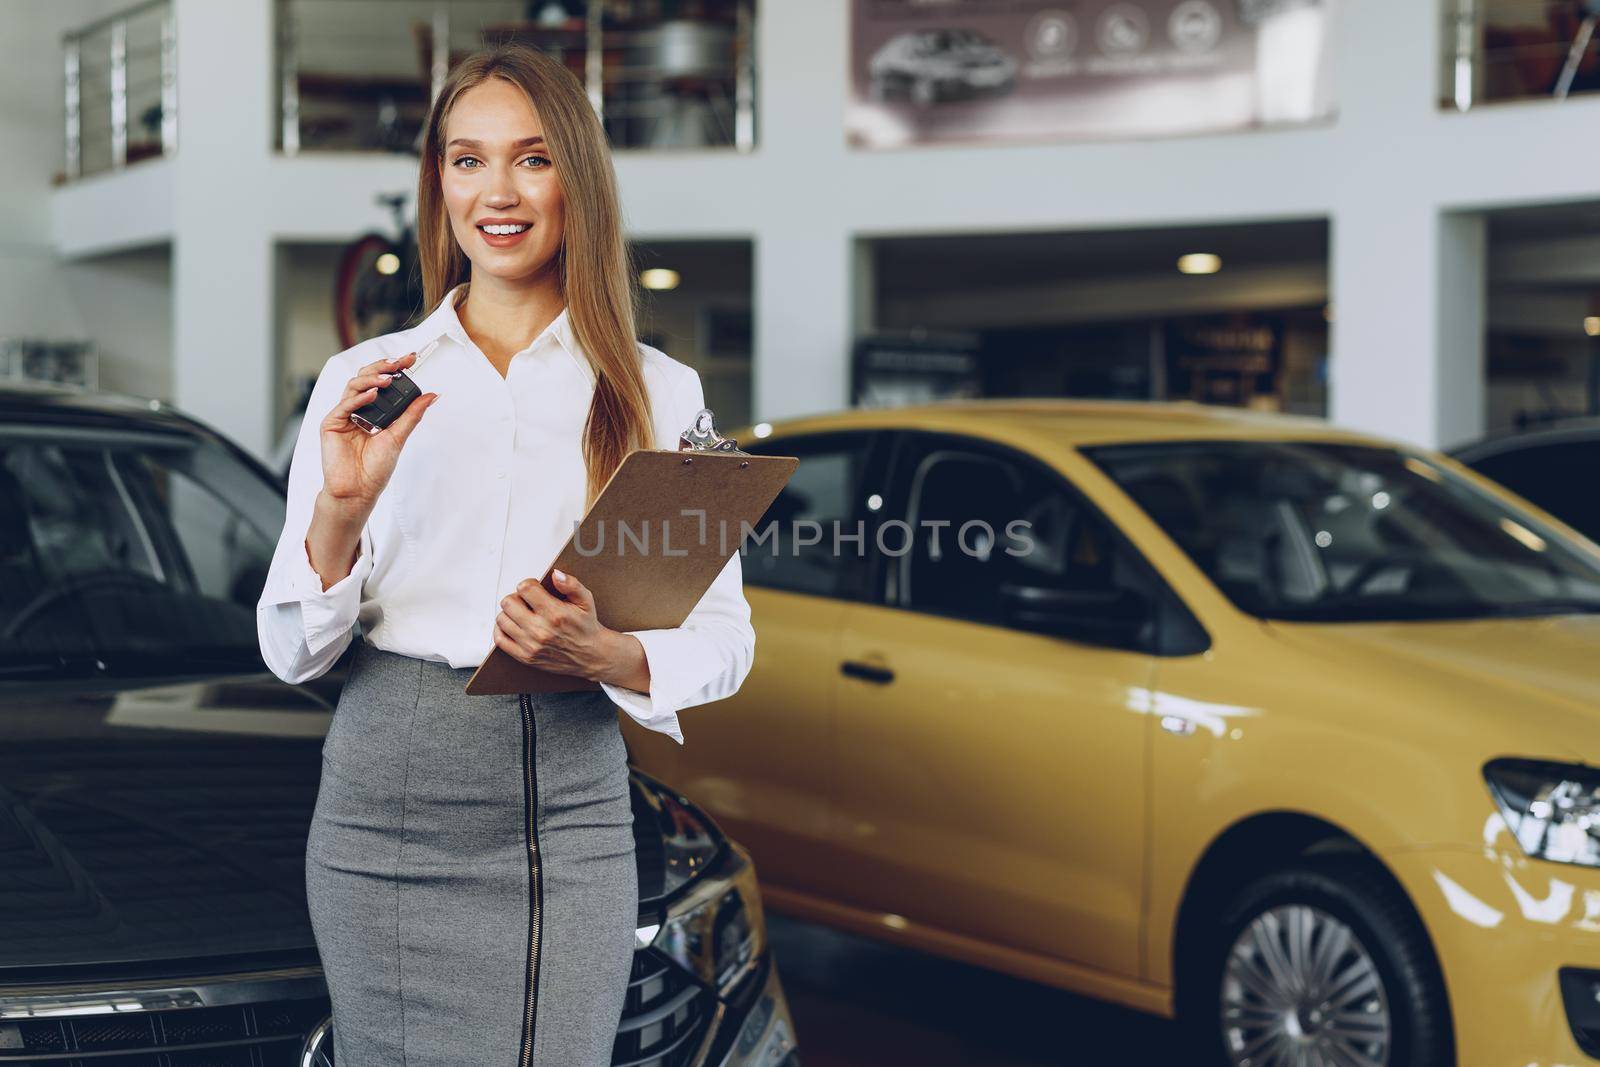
point(594, 268)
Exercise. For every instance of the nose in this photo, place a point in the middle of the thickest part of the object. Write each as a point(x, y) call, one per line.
point(501, 191)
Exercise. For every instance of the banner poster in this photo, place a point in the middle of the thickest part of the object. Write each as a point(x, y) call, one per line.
point(965, 71)
point(893, 369)
point(1225, 359)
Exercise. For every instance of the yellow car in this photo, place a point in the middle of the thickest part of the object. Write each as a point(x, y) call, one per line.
point(1286, 731)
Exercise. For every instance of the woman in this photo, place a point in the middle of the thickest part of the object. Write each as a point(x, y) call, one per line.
point(470, 867)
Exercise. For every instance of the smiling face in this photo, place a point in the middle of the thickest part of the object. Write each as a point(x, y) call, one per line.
point(497, 172)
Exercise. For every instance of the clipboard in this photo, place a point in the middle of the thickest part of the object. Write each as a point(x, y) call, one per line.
point(646, 562)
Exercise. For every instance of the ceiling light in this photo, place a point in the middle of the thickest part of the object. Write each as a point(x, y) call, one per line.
point(388, 263)
point(658, 278)
point(1591, 325)
point(1200, 263)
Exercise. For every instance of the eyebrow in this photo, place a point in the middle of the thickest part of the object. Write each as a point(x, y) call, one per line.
point(467, 142)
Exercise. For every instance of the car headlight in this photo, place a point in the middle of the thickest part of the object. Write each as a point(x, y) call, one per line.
point(1552, 809)
point(714, 925)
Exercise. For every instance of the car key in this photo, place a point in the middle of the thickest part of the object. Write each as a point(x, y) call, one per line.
point(393, 398)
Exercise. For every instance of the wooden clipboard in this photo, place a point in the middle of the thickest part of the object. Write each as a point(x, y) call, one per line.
point(639, 580)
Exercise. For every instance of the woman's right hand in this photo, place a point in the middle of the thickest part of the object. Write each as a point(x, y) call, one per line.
point(356, 465)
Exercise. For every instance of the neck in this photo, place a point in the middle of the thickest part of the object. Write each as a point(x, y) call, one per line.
point(501, 315)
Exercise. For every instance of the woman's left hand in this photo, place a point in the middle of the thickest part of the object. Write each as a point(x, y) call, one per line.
point(563, 636)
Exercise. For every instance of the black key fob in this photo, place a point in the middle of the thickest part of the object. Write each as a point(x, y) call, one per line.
point(391, 400)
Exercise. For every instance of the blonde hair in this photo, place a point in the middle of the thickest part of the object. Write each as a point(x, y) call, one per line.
point(594, 267)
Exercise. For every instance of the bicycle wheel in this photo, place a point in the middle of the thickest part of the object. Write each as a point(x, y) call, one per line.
point(367, 301)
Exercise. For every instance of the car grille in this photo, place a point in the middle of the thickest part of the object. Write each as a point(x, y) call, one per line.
point(665, 1016)
point(664, 1021)
point(267, 1034)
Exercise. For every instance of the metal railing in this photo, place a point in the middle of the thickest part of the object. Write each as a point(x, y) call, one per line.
point(121, 85)
point(361, 74)
point(1498, 50)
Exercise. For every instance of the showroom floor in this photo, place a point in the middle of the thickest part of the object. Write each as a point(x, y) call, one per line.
point(858, 1003)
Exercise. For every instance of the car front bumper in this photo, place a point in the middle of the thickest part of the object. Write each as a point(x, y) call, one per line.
point(1504, 927)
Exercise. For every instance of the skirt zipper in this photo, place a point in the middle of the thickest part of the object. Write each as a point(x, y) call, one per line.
point(530, 794)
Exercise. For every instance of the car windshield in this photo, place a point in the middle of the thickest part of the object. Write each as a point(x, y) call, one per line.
point(1340, 532)
point(129, 553)
point(956, 41)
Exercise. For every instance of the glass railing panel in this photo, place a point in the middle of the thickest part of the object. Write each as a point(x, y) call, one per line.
point(1499, 50)
point(359, 74)
point(121, 90)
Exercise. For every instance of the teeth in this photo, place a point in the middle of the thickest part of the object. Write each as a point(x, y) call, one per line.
point(503, 229)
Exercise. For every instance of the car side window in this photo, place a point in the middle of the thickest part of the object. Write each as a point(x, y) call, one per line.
point(998, 541)
point(824, 491)
point(140, 552)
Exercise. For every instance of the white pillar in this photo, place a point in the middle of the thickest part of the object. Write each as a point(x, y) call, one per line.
point(1408, 337)
point(223, 350)
point(1407, 282)
point(1462, 308)
point(803, 257)
point(802, 312)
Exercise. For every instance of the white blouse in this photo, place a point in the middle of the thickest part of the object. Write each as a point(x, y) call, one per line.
point(485, 493)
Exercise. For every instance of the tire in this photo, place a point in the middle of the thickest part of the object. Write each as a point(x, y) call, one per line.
point(1231, 996)
point(367, 303)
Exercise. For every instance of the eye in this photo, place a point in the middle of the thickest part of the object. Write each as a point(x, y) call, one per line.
point(543, 162)
point(462, 159)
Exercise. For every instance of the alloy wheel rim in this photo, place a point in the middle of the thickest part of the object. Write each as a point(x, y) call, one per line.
point(1301, 990)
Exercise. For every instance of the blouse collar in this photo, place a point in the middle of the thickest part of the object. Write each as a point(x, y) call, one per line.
point(444, 322)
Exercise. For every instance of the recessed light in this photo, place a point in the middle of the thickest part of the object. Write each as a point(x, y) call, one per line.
point(1200, 263)
point(1591, 325)
point(658, 278)
point(388, 263)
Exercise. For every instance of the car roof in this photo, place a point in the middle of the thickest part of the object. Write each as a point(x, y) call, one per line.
point(1567, 430)
point(39, 401)
point(1078, 422)
point(42, 404)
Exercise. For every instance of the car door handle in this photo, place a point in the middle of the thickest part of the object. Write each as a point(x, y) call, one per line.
point(866, 671)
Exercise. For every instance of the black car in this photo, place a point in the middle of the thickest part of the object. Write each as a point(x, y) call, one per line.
point(157, 782)
point(1555, 468)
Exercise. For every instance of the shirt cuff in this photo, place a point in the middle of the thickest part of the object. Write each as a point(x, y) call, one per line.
point(657, 709)
point(328, 613)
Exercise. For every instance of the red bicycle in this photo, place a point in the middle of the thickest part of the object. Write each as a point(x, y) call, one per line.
point(379, 284)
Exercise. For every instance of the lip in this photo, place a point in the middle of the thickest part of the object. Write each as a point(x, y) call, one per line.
point(502, 240)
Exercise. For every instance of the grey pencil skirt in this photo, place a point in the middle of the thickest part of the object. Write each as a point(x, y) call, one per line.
point(470, 871)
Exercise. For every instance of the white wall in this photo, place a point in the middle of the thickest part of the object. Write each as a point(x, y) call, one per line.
point(34, 301)
point(124, 301)
point(1401, 182)
point(121, 301)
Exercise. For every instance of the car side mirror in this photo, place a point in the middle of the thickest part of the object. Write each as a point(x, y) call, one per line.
point(1101, 616)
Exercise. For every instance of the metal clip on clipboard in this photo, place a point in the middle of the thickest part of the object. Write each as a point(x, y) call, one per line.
point(701, 436)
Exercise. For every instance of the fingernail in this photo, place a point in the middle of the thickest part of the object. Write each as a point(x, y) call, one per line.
point(559, 576)
point(385, 377)
point(394, 359)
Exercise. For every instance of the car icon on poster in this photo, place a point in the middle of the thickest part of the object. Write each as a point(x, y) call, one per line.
point(938, 65)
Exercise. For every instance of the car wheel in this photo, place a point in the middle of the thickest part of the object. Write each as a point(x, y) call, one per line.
point(1323, 962)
